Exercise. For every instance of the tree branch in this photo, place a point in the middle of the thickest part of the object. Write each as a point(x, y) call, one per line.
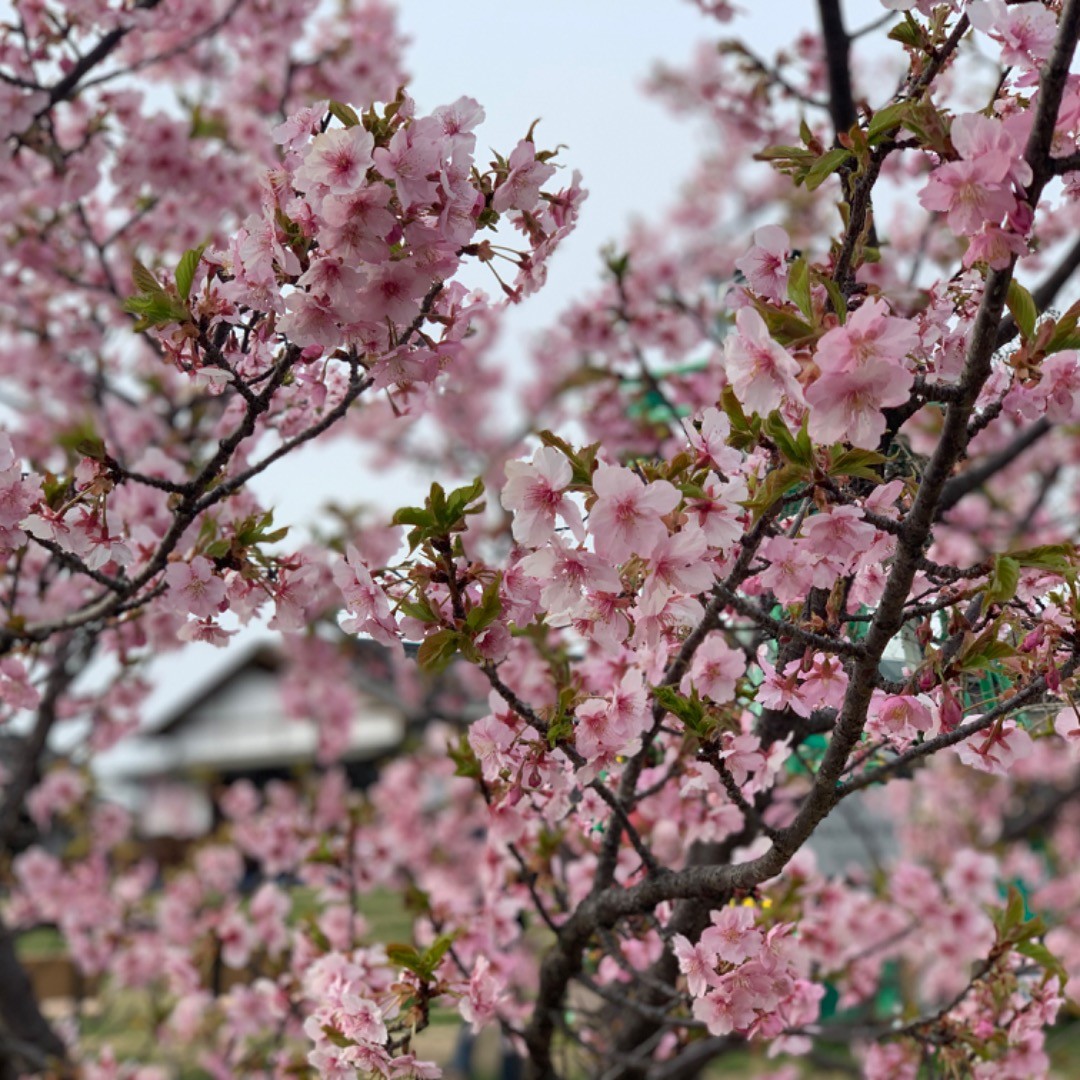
point(966, 483)
point(837, 44)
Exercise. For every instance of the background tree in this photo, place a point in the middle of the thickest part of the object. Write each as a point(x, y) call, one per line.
point(777, 448)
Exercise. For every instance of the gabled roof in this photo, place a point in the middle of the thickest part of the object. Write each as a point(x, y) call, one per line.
point(261, 656)
point(231, 716)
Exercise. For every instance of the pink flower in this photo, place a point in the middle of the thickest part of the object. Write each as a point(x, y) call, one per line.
point(762, 372)
point(1061, 386)
point(368, 605)
point(790, 573)
point(337, 160)
point(1067, 725)
point(612, 727)
point(742, 755)
point(361, 1019)
point(995, 247)
point(595, 732)
point(485, 989)
point(711, 442)
point(825, 683)
point(299, 126)
point(901, 716)
point(660, 611)
point(715, 1012)
point(238, 939)
point(696, 963)
point(765, 264)
point(521, 188)
point(17, 495)
point(995, 751)
point(630, 703)
point(862, 372)
point(626, 518)
point(961, 190)
point(1024, 31)
point(16, 690)
point(534, 491)
point(407, 161)
point(568, 574)
point(61, 790)
point(719, 513)
point(841, 535)
point(846, 407)
point(457, 121)
point(988, 140)
point(394, 293)
point(715, 670)
point(782, 691)
point(680, 561)
point(870, 336)
point(194, 588)
point(892, 1061)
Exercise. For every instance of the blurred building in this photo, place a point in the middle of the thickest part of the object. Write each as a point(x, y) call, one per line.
point(231, 725)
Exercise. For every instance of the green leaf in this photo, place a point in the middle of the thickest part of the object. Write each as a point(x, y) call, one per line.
point(143, 279)
point(153, 305)
point(1014, 912)
point(434, 953)
point(1004, 578)
point(185, 270)
point(798, 287)
point(418, 609)
point(436, 652)
point(1054, 558)
point(92, 447)
point(690, 710)
point(345, 113)
point(908, 32)
point(413, 515)
point(785, 327)
point(1042, 956)
point(886, 121)
point(460, 498)
point(925, 121)
point(782, 153)
point(334, 1036)
point(836, 296)
point(744, 431)
point(205, 126)
point(1024, 312)
point(489, 608)
point(855, 462)
point(581, 462)
point(796, 449)
point(776, 484)
point(825, 166)
point(465, 761)
point(1065, 335)
point(155, 309)
point(985, 653)
point(559, 730)
point(406, 956)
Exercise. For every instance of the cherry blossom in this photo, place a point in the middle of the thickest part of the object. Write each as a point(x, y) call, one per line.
point(797, 549)
point(763, 374)
point(534, 492)
point(626, 518)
